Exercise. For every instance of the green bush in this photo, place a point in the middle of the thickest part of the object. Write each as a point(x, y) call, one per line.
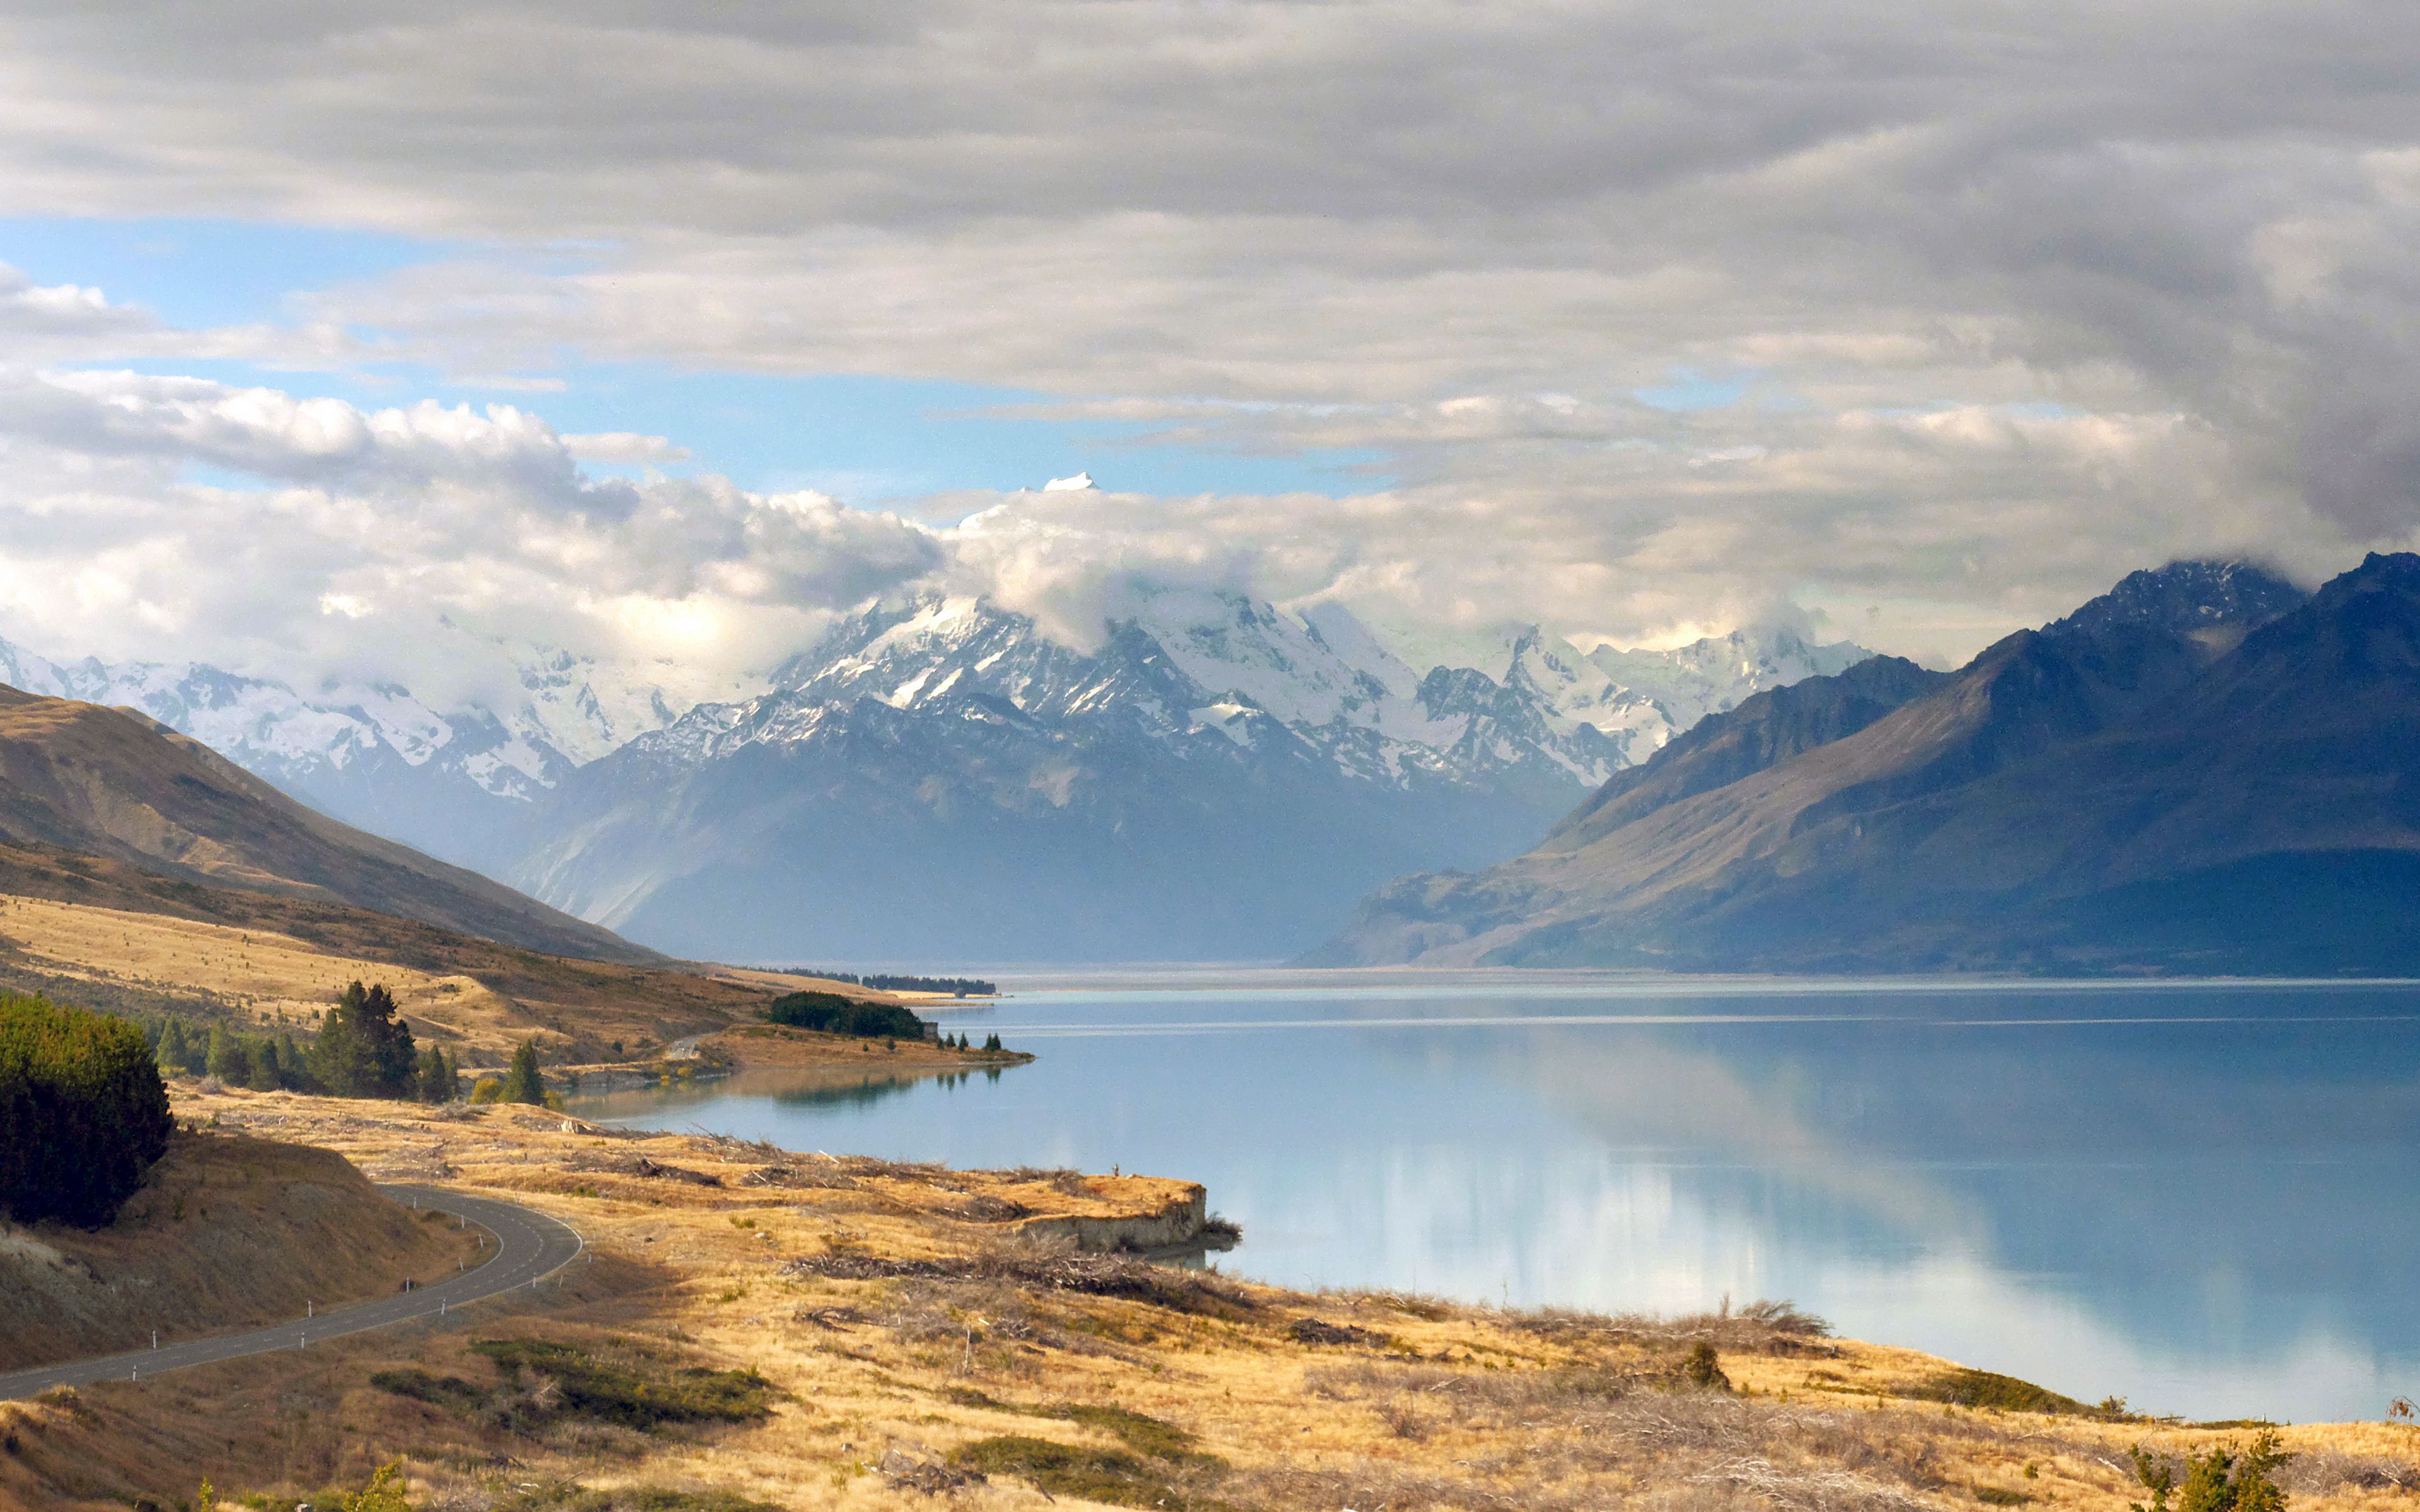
point(831, 1013)
point(83, 1112)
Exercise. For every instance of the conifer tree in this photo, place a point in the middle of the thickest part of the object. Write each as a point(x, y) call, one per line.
point(225, 1058)
point(364, 1050)
point(173, 1057)
point(436, 1076)
point(522, 1083)
point(260, 1060)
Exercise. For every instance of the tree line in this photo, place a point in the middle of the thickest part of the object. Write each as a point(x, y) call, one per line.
point(956, 986)
point(83, 1113)
point(831, 1013)
point(361, 1048)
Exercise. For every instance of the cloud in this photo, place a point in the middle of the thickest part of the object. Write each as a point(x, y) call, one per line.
point(307, 538)
point(2012, 302)
point(624, 447)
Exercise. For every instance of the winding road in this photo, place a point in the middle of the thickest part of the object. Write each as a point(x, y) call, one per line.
point(529, 1248)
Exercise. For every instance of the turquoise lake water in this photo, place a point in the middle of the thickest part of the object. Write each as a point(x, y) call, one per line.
point(2200, 1198)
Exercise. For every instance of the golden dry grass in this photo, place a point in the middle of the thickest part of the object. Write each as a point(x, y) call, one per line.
point(230, 1233)
point(268, 980)
point(910, 1334)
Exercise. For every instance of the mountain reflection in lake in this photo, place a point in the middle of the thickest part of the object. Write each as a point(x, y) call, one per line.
point(2200, 1198)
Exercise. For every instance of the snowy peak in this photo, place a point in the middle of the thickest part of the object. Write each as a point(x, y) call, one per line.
point(1184, 662)
point(2186, 598)
point(1713, 675)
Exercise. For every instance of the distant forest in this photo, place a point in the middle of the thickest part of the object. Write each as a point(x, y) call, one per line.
point(957, 986)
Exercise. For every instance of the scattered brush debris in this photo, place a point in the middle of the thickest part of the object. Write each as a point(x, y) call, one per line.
point(1759, 1328)
point(564, 1496)
point(1314, 1330)
point(909, 1472)
point(657, 1170)
point(986, 1208)
point(2318, 1471)
point(1043, 1264)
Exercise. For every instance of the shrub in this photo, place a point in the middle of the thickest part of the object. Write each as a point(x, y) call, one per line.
point(831, 1013)
point(2221, 1480)
point(83, 1112)
point(487, 1089)
point(1703, 1369)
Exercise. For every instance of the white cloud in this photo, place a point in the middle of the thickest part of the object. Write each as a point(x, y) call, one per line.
point(392, 543)
point(2015, 305)
point(624, 446)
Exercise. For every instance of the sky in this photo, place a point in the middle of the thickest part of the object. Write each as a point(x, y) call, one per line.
point(349, 340)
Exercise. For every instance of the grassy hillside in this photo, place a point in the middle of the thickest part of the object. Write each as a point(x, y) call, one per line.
point(113, 783)
point(230, 1233)
point(110, 936)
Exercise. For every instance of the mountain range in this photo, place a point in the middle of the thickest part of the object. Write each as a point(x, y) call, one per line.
point(2205, 769)
point(940, 780)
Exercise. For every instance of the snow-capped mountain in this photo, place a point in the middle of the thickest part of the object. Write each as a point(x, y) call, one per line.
point(941, 779)
point(453, 783)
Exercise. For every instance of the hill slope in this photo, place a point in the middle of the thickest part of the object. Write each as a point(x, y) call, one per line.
point(2179, 777)
point(116, 785)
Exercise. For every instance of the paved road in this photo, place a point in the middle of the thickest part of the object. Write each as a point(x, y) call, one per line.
point(524, 1246)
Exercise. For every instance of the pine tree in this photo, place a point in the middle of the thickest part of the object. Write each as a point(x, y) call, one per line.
point(436, 1076)
point(260, 1058)
point(291, 1070)
point(226, 1059)
point(174, 1056)
point(522, 1083)
point(364, 1050)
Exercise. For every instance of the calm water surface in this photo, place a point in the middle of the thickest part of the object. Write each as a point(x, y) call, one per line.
point(2201, 1198)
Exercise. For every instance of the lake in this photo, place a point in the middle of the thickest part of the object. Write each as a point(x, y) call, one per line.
point(2200, 1198)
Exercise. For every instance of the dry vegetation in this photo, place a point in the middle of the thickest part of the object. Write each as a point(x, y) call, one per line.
point(759, 1327)
point(230, 1233)
point(259, 961)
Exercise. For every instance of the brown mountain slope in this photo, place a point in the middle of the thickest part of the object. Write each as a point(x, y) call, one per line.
point(113, 783)
point(2138, 787)
point(246, 956)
